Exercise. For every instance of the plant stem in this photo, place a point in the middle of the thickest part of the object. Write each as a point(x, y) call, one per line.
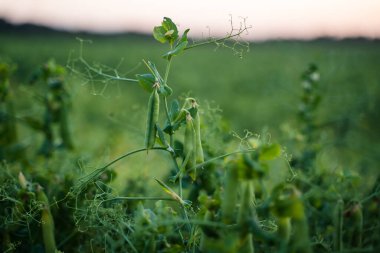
point(139, 198)
point(84, 181)
point(214, 40)
point(165, 99)
point(170, 123)
point(100, 73)
point(200, 165)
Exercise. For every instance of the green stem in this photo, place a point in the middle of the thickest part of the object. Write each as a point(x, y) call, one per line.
point(100, 73)
point(170, 123)
point(338, 225)
point(167, 70)
point(165, 99)
point(139, 198)
point(65, 240)
point(84, 181)
point(214, 40)
point(200, 165)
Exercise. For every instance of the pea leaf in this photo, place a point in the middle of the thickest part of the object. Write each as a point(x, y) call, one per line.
point(174, 109)
point(170, 192)
point(163, 88)
point(180, 46)
point(184, 36)
point(166, 90)
point(171, 30)
point(167, 32)
point(270, 152)
point(146, 81)
point(159, 34)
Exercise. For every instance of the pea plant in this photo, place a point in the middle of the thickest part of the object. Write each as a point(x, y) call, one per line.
point(56, 102)
point(220, 213)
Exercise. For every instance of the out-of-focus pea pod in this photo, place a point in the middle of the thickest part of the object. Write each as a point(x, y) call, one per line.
point(47, 222)
point(152, 118)
point(284, 229)
point(357, 218)
point(189, 145)
point(198, 140)
point(230, 193)
point(162, 139)
point(22, 181)
point(205, 237)
point(246, 213)
point(287, 203)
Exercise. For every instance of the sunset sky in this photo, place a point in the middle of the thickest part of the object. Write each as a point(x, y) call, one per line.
point(270, 19)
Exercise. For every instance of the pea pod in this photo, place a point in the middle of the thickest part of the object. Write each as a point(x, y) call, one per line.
point(287, 203)
point(152, 119)
point(189, 145)
point(231, 184)
point(198, 141)
point(47, 222)
point(246, 213)
point(284, 229)
point(357, 215)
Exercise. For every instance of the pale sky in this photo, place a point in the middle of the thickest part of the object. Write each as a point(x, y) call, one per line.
point(270, 19)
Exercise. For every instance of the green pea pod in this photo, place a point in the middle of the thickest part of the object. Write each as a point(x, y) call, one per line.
point(22, 181)
point(288, 204)
point(47, 222)
point(300, 241)
point(231, 186)
point(284, 229)
point(204, 237)
point(161, 137)
point(357, 215)
point(152, 119)
point(246, 212)
point(189, 145)
point(198, 140)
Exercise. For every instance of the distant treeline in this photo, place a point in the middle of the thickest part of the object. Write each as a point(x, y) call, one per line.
point(27, 28)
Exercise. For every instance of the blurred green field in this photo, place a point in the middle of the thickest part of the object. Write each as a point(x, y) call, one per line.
point(261, 90)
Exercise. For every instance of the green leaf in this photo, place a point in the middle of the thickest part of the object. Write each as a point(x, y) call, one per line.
point(171, 193)
point(165, 90)
point(181, 45)
point(174, 109)
point(167, 32)
point(270, 152)
point(184, 36)
point(146, 81)
point(159, 34)
point(176, 51)
point(171, 30)
point(155, 72)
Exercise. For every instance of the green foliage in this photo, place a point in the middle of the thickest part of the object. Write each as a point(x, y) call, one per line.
point(216, 191)
point(179, 46)
point(167, 32)
point(146, 81)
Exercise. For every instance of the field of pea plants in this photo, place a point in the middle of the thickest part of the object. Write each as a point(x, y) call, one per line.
point(166, 143)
